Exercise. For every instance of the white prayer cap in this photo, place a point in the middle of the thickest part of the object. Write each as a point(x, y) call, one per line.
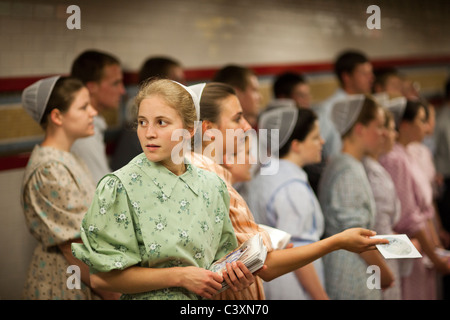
point(35, 97)
point(196, 92)
point(346, 111)
point(381, 98)
point(395, 105)
point(279, 102)
point(281, 116)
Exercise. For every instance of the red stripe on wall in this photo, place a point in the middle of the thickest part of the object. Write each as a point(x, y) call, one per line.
point(14, 161)
point(12, 84)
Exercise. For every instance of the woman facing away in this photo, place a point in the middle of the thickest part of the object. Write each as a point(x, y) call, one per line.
point(220, 111)
point(416, 204)
point(57, 187)
point(347, 200)
point(157, 224)
point(286, 201)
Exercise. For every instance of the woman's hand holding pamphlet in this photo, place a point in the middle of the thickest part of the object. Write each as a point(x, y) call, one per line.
point(252, 253)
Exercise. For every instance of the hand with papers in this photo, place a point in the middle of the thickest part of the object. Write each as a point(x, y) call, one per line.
point(252, 253)
point(358, 240)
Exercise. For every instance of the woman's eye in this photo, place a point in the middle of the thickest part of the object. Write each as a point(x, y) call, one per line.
point(162, 122)
point(141, 123)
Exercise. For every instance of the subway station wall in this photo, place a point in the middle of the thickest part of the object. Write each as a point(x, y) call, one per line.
point(203, 35)
point(208, 33)
point(38, 40)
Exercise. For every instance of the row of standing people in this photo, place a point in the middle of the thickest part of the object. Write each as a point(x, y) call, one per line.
point(355, 185)
point(374, 183)
point(231, 121)
point(151, 229)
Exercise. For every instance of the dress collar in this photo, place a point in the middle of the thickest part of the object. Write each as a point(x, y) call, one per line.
point(166, 180)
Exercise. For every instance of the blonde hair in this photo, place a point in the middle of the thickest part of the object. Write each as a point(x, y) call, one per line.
point(173, 94)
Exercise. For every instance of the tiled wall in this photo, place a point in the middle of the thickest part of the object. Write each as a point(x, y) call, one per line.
point(36, 41)
point(206, 34)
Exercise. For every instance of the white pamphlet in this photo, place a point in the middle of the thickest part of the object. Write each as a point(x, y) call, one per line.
point(399, 247)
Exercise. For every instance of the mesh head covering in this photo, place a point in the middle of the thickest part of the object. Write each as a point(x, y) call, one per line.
point(281, 118)
point(396, 106)
point(35, 97)
point(346, 111)
point(281, 102)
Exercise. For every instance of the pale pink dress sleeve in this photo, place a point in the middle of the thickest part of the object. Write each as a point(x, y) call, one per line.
point(412, 218)
point(424, 172)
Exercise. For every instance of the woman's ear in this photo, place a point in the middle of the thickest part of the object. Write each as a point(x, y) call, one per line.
point(296, 146)
point(56, 117)
point(358, 128)
point(206, 126)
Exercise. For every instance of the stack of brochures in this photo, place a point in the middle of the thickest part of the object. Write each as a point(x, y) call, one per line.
point(252, 253)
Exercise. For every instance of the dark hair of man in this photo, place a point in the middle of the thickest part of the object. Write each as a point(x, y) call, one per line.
point(382, 74)
point(284, 84)
point(157, 67)
point(304, 125)
point(89, 65)
point(234, 75)
point(347, 62)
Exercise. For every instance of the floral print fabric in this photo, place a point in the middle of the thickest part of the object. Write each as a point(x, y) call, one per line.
point(57, 190)
point(145, 215)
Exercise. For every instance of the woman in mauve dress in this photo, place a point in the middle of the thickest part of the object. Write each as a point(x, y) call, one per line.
point(416, 209)
point(387, 205)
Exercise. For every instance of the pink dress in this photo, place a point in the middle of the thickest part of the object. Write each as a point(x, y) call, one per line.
point(416, 209)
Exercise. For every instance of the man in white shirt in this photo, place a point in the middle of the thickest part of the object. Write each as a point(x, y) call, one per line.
point(102, 75)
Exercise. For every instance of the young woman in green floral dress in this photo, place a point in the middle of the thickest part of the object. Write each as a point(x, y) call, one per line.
point(156, 225)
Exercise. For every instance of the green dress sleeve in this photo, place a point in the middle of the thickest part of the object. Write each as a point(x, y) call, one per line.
point(107, 231)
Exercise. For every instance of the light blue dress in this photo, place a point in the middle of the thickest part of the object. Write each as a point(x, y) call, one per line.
point(286, 201)
point(347, 202)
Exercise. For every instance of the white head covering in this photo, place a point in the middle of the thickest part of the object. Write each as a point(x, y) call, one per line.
point(280, 102)
point(396, 105)
point(35, 97)
point(196, 92)
point(346, 111)
point(281, 117)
